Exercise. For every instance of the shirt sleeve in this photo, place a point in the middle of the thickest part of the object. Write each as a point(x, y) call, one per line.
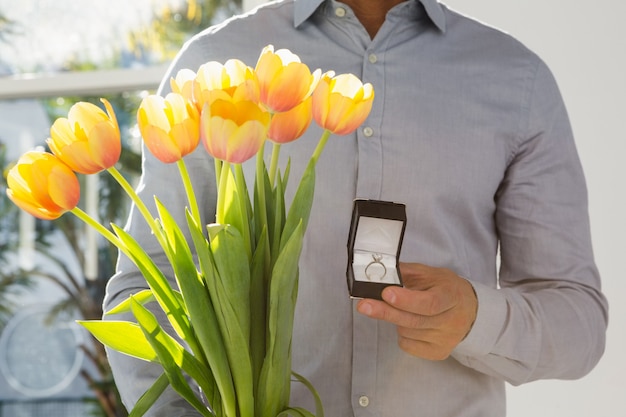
point(548, 317)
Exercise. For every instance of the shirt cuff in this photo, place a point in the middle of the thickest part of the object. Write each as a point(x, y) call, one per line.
point(489, 323)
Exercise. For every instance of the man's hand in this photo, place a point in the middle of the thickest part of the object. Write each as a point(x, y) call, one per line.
point(433, 312)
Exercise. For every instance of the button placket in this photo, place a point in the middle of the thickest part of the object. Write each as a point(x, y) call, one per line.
point(370, 148)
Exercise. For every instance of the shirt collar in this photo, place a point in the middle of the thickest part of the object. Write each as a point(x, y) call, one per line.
point(304, 9)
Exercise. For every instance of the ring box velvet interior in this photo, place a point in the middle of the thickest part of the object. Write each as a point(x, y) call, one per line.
point(376, 233)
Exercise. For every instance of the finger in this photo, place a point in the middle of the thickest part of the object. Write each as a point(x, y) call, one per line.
point(437, 337)
point(418, 276)
point(425, 303)
point(423, 349)
point(382, 311)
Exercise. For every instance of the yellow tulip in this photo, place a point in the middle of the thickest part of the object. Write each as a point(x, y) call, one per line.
point(233, 131)
point(88, 140)
point(170, 126)
point(183, 83)
point(233, 79)
point(284, 81)
point(42, 185)
point(342, 103)
point(290, 125)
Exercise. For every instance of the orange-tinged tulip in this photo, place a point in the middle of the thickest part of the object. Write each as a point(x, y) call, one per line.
point(290, 125)
point(170, 126)
point(233, 79)
point(42, 185)
point(88, 140)
point(183, 83)
point(233, 131)
point(284, 81)
point(342, 103)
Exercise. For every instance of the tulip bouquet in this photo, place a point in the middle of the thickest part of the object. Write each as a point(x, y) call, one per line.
point(232, 306)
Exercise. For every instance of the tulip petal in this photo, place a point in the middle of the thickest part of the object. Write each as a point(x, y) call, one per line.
point(63, 187)
point(88, 140)
point(169, 126)
point(86, 114)
point(160, 144)
point(246, 141)
point(106, 147)
point(289, 126)
point(42, 185)
point(76, 156)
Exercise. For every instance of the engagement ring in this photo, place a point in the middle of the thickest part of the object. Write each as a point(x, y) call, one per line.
point(373, 271)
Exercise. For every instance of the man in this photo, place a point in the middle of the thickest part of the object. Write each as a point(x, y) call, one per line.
point(468, 129)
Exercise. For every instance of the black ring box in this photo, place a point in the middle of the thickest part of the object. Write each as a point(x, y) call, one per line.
point(376, 232)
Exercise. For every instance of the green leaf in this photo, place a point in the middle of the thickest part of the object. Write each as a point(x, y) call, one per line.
point(143, 297)
point(278, 211)
point(122, 336)
point(174, 359)
point(229, 288)
point(208, 329)
point(295, 412)
point(261, 184)
point(259, 277)
point(274, 384)
point(235, 207)
point(189, 281)
point(285, 177)
point(319, 409)
point(158, 283)
point(300, 209)
point(149, 397)
point(244, 223)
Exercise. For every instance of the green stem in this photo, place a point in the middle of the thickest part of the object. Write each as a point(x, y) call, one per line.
point(260, 185)
point(218, 171)
point(221, 193)
point(244, 203)
point(135, 198)
point(191, 196)
point(320, 145)
point(106, 233)
point(274, 162)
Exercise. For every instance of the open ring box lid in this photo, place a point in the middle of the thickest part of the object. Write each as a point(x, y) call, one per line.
point(376, 233)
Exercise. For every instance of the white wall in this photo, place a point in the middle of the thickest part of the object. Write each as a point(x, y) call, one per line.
point(584, 43)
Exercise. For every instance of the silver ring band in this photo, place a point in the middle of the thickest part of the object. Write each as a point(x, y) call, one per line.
point(377, 258)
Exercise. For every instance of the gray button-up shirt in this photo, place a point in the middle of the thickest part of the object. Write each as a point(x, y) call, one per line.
point(468, 129)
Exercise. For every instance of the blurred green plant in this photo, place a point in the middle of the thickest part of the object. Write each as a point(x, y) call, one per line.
point(171, 27)
point(7, 28)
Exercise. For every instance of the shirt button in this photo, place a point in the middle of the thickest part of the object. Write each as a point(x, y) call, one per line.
point(364, 401)
point(372, 58)
point(368, 131)
point(340, 12)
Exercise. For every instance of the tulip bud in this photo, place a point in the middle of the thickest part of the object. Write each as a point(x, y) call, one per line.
point(88, 140)
point(42, 185)
point(342, 103)
point(170, 126)
point(233, 131)
point(284, 81)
